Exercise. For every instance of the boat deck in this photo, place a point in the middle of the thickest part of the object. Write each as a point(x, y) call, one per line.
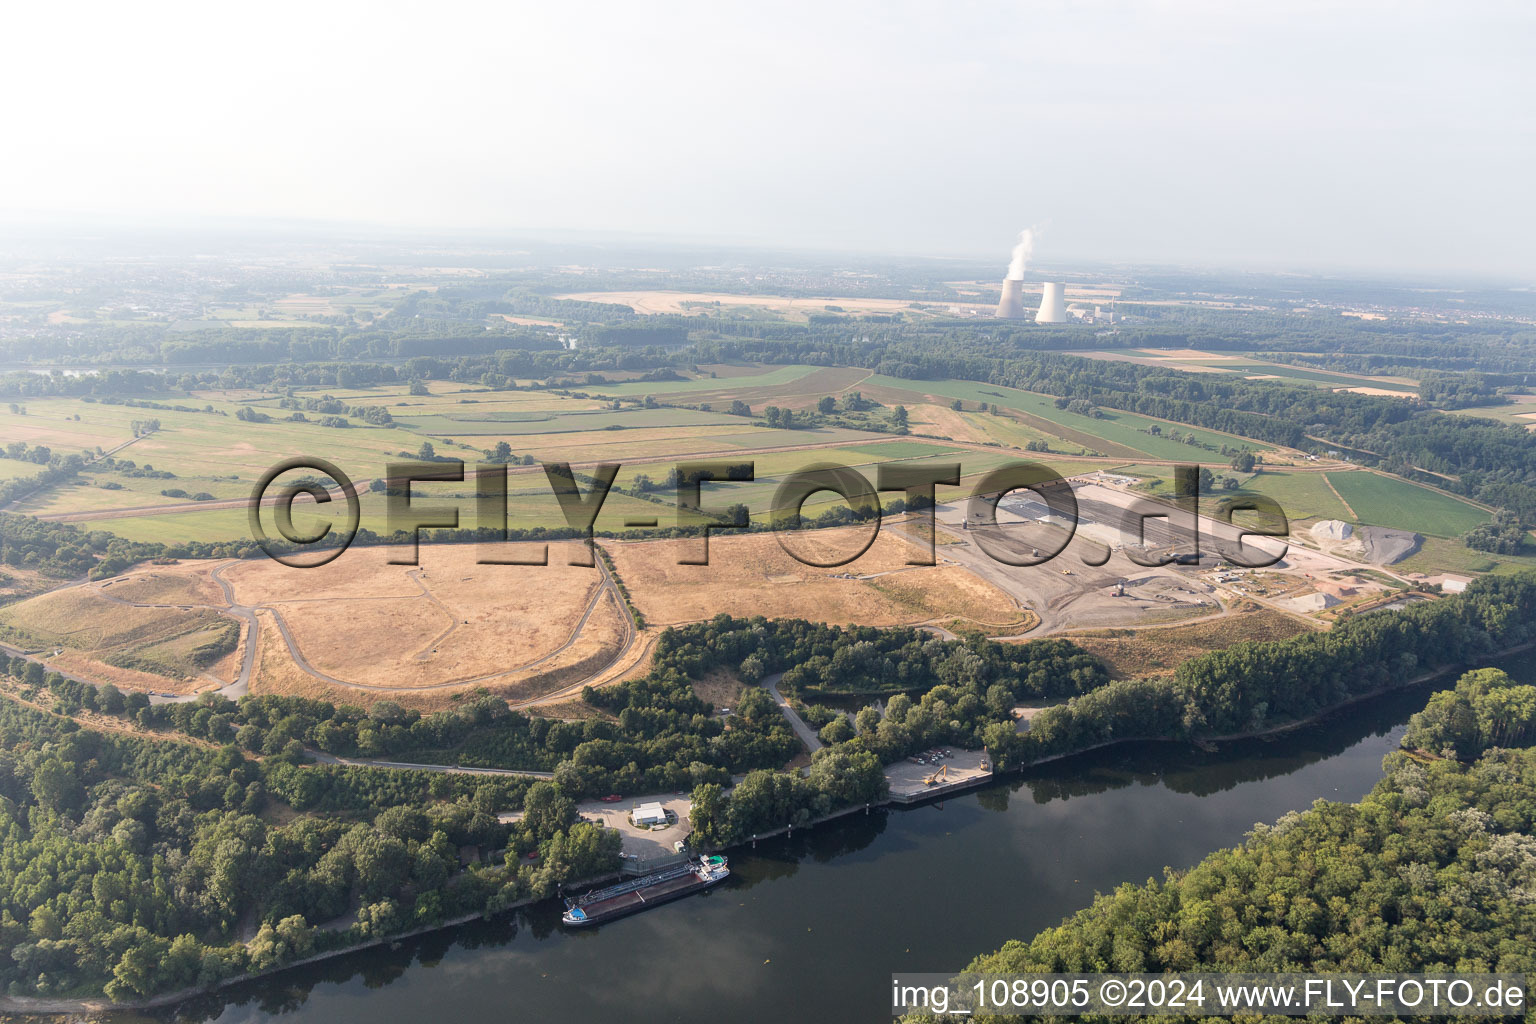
point(650, 894)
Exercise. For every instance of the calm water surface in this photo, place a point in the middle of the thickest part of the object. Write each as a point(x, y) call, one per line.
point(811, 928)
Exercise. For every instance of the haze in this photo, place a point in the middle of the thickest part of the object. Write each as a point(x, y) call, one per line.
point(1386, 136)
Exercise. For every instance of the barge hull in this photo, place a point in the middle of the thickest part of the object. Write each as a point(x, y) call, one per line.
point(630, 902)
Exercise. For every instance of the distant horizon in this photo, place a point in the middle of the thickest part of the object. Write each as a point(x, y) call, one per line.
point(65, 228)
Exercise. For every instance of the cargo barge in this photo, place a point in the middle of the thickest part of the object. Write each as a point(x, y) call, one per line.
point(639, 893)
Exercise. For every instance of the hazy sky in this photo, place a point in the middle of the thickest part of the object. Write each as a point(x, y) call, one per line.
point(1287, 134)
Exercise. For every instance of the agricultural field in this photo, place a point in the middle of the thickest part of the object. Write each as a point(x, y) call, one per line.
point(982, 428)
point(530, 505)
point(1439, 554)
point(11, 469)
point(334, 305)
point(1388, 501)
point(214, 458)
point(1117, 433)
point(752, 575)
point(1397, 387)
point(764, 378)
point(510, 423)
point(770, 307)
point(208, 452)
point(1242, 364)
point(1519, 410)
point(792, 387)
point(1303, 496)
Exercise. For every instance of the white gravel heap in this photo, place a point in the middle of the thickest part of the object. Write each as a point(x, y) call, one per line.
point(1332, 530)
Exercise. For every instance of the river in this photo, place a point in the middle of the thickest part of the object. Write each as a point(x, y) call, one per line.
point(811, 927)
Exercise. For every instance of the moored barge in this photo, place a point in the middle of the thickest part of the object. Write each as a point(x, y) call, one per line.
point(639, 893)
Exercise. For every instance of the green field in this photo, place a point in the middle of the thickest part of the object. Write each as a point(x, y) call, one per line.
point(1318, 378)
point(1125, 429)
point(1521, 411)
point(1300, 495)
point(1246, 366)
point(505, 423)
point(1439, 554)
point(775, 377)
point(1380, 500)
point(11, 469)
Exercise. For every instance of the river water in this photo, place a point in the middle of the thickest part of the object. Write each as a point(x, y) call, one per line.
point(811, 928)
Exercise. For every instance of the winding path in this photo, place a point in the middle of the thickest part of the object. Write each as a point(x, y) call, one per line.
point(631, 634)
point(453, 769)
point(805, 732)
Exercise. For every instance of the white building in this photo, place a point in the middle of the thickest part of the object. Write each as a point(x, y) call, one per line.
point(650, 814)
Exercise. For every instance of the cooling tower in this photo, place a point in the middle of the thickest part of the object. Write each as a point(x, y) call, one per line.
point(1052, 304)
point(1011, 307)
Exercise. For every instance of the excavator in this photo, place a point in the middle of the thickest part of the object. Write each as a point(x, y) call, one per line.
point(942, 775)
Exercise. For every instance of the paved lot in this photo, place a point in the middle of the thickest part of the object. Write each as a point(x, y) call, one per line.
point(645, 844)
point(907, 779)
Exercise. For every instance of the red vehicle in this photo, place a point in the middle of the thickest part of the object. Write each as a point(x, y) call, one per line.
point(612, 798)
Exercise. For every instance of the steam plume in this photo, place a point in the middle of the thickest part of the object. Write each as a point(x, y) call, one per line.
point(1021, 254)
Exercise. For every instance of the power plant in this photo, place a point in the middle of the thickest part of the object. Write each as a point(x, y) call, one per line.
point(1011, 307)
point(1053, 304)
point(1053, 299)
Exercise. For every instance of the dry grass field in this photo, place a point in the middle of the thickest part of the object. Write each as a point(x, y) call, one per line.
point(752, 575)
point(159, 631)
point(719, 688)
point(189, 583)
point(1159, 651)
point(445, 623)
point(358, 629)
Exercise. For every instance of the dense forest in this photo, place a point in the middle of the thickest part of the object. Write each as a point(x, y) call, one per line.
point(1433, 871)
point(1486, 709)
point(133, 866)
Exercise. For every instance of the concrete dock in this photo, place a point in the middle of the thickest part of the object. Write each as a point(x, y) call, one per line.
point(963, 771)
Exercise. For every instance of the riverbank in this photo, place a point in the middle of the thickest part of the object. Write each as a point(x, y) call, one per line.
point(40, 1005)
point(1280, 728)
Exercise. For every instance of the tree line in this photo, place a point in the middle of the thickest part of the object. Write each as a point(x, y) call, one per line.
point(1243, 689)
point(1432, 872)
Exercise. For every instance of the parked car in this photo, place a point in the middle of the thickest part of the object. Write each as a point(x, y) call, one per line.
point(612, 798)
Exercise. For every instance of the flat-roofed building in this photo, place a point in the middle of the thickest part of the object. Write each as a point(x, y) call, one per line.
point(650, 814)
